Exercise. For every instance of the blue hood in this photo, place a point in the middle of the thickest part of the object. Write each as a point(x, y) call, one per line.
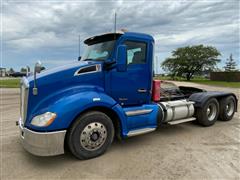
point(52, 84)
point(59, 73)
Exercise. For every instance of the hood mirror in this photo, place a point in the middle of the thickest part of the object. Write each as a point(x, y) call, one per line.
point(37, 69)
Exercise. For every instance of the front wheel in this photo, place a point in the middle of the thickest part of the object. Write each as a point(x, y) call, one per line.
point(208, 114)
point(90, 135)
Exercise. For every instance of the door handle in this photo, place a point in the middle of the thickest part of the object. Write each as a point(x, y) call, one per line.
point(142, 90)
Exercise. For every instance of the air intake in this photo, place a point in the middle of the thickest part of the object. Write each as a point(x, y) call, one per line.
point(88, 69)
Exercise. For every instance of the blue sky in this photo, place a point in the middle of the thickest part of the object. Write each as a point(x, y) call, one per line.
point(48, 30)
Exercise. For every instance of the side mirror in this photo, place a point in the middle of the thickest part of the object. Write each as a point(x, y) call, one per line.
point(122, 58)
point(38, 67)
point(79, 58)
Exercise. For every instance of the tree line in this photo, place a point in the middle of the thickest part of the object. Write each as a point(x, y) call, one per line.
point(22, 70)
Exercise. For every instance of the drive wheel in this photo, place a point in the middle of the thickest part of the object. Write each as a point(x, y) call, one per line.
point(208, 115)
point(90, 135)
point(227, 108)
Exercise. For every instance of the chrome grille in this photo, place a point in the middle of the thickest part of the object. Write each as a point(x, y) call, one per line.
point(24, 86)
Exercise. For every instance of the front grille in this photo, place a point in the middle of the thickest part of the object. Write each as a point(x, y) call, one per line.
point(24, 87)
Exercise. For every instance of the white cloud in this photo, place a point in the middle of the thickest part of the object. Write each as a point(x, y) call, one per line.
point(37, 25)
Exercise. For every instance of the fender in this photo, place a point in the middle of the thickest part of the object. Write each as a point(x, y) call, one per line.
point(201, 98)
point(69, 104)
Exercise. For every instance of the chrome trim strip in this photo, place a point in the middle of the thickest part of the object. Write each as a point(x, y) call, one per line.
point(98, 69)
point(42, 143)
point(140, 131)
point(24, 92)
point(138, 112)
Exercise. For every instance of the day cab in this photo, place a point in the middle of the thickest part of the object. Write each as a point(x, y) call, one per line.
point(109, 93)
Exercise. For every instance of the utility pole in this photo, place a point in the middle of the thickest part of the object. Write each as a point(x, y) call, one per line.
point(155, 66)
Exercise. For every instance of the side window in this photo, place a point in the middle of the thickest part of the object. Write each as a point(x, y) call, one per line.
point(136, 52)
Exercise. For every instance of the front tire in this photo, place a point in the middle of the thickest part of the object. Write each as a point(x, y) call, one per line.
point(90, 135)
point(227, 108)
point(208, 114)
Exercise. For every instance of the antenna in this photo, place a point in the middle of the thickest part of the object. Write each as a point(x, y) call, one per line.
point(115, 22)
point(79, 41)
point(115, 25)
point(79, 45)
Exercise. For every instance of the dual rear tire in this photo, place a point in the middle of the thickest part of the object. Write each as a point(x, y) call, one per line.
point(228, 106)
point(213, 110)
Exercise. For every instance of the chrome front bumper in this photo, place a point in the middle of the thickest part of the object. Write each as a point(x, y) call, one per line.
point(42, 143)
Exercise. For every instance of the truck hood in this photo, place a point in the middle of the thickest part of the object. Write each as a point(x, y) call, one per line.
point(61, 73)
point(56, 83)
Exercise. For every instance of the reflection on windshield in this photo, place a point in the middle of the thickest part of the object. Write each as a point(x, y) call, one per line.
point(100, 51)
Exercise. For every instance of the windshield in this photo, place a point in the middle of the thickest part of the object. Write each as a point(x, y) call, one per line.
point(100, 51)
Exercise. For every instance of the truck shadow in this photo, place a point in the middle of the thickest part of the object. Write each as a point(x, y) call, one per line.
point(161, 132)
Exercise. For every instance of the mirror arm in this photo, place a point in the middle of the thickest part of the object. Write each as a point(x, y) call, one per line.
point(109, 64)
point(37, 69)
point(35, 90)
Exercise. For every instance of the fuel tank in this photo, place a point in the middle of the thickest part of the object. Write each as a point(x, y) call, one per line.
point(175, 110)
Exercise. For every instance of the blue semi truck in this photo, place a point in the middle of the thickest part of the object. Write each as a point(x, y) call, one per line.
point(109, 93)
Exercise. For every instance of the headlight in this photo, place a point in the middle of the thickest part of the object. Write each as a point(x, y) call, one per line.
point(44, 119)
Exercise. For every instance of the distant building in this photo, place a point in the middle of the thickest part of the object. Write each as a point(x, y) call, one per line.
point(3, 72)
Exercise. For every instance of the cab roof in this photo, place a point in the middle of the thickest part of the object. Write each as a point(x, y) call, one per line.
point(112, 36)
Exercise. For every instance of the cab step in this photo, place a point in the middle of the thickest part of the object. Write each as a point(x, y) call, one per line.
point(140, 131)
point(182, 121)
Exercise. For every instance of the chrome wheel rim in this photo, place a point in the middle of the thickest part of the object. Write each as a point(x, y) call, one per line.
point(230, 108)
point(93, 136)
point(211, 111)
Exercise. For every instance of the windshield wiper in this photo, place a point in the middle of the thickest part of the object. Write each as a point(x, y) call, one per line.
point(88, 59)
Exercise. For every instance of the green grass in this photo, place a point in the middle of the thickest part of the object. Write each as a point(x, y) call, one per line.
point(9, 83)
point(14, 83)
point(201, 80)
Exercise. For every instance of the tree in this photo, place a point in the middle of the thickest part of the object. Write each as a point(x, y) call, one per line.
point(230, 64)
point(11, 70)
point(190, 60)
point(23, 70)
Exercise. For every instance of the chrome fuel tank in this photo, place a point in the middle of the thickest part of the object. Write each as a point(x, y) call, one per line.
point(175, 110)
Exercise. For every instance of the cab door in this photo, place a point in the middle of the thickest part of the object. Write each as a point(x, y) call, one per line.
point(132, 87)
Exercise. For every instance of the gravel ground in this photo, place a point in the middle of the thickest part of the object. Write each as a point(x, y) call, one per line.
point(184, 151)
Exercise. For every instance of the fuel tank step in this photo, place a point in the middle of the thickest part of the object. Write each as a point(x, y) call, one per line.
point(182, 121)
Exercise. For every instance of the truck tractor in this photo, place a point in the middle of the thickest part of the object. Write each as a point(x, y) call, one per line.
point(110, 92)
